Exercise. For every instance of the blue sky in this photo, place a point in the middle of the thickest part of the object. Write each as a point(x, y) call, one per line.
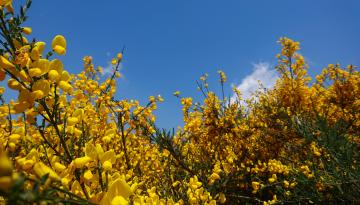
point(171, 43)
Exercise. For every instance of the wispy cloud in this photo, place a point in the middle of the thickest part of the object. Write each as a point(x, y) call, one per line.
point(109, 68)
point(262, 74)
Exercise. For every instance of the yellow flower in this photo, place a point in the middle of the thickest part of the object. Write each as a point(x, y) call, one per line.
point(119, 200)
point(65, 181)
point(65, 86)
point(72, 121)
point(79, 114)
point(117, 188)
point(12, 146)
point(5, 165)
point(41, 169)
point(43, 86)
point(160, 99)
point(134, 187)
point(194, 183)
point(14, 137)
point(119, 56)
point(59, 45)
point(77, 132)
point(213, 177)
point(21, 107)
point(90, 151)
point(14, 84)
point(175, 184)
point(76, 188)
point(4, 63)
point(57, 65)
point(42, 64)
point(28, 164)
point(80, 162)
point(255, 186)
point(35, 54)
point(108, 156)
point(176, 93)
point(35, 72)
point(65, 76)
point(273, 178)
point(40, 46)
point(27, 30)
point(23, 76)
point(6, 183)
point(222, 76)
point(222, 198)
point(53, 75)
point(59, 167)
point(88, 175)
point(107, 166)
point(212, 202)
point(7, 4)
point(37, 94)
point(286, 184)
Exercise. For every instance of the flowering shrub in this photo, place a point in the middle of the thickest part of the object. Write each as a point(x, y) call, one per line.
point(66, 139)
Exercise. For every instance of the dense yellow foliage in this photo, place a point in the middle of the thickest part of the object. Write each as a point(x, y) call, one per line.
point(67, 139)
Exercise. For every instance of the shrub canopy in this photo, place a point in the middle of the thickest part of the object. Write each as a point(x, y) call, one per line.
point(68, 139)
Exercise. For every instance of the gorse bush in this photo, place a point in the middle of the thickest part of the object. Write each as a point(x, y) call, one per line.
point(67, 139)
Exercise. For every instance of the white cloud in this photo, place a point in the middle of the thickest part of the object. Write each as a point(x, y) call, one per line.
point(262, 74)
point(109, 69)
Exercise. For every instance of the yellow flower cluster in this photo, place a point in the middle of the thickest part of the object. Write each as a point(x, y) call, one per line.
point(68, 134)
